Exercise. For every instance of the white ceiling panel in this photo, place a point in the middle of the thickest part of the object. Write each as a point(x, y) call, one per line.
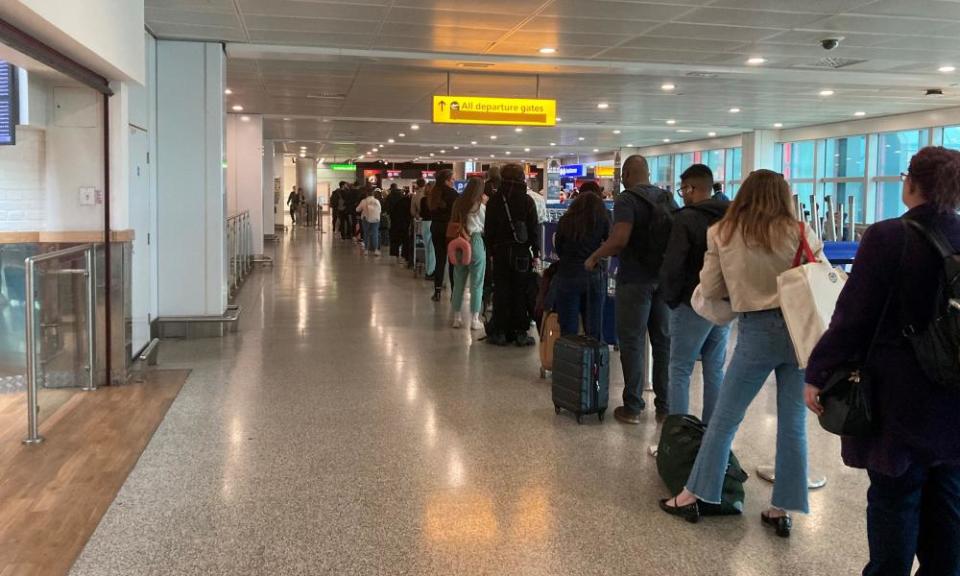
point(310, 38)
point(881, 24)
point(364, 10)
point(443, 43)
point(625, 10)
point(755, 18)
point(815, 6)
point(581, 25)
point(711, 32)
point(194, 18)
point(938, 9)
point(400, 17)
point(309, 25)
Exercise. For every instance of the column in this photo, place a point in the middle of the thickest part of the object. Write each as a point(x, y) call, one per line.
point(245, 171)
point(758, 150)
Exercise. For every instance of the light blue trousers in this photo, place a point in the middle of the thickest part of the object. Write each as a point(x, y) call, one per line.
point(692, 337)
point(476, 271)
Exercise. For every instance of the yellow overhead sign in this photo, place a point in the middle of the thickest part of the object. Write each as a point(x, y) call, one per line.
point(496, 111)
point(603, 171)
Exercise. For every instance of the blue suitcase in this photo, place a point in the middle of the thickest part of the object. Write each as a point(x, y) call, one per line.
point(581, 376)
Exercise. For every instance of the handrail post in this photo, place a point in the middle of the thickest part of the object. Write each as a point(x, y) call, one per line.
point(90, 258)
point(33, 426)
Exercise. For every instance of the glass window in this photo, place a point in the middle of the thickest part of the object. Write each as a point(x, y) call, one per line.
point(845, 157)
point(680, 163)
point(734, 164)
point(660, 170)
point(841, 192)
point(896, 148)
point(797, 159)
point(891, 200)
point(714, 160)
point(951, 137)
point(803, 190)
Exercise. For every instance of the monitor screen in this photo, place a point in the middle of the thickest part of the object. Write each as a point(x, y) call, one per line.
point(8, 104)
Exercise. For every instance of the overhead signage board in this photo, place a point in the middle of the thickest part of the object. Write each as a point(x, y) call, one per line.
point(603, 171)
point(343, 167)
point(494, 111)
point(391, 174)
point(428, 174)
point(573, 170)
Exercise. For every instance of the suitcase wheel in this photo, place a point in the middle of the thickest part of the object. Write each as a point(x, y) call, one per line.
point(556, 409)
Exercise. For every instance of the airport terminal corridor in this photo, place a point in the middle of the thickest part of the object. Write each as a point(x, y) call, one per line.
point(346, 429)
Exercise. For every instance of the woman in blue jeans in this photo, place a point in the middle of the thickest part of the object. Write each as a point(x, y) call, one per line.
point(754, 243)
point(580, 293)
point(913, 459)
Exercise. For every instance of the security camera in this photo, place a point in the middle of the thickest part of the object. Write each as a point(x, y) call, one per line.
point(830, 43)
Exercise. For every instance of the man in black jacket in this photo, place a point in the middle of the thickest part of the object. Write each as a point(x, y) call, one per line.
point(690, 335)
point(510, 232)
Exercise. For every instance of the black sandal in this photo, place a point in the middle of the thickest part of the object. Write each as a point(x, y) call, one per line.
point(690, 512)
point(782, 524)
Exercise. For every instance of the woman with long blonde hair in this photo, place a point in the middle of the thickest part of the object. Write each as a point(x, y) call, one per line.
point(755, 242)
point(470, 213)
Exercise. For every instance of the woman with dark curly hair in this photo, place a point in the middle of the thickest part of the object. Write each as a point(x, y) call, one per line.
point(913, 460)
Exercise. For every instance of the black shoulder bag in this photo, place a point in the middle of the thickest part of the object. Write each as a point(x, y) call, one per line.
point(846, 398)
point(519, 250)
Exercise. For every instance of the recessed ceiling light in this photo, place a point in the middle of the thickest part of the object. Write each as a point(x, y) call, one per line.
point(580, 138)
point(492, 156)
point(391, 141)
point(683, 131)
point(756, 61)
point(711, 134)
point(402, 135)
point(456, 147)
point(671, 122)
point(826, 92)
point(666, 139)
point(734, 110)
point(947, 69)
point(493, 136)
point(443, 151)
point(507, 152)
point(432, 154)
point(629, 145)
point(518, 129)
point(286, 119)
point(596, 149)
point(414, 126)
point(473, 142)
point(526, 149)
point(616, 131)
point(548, 50)
point(361, 156)
point(667, 87)
point(380, 147)
point(553, 143)
point(237, 108)
point(778, 124)
point(559, 119)
point(229, 91)
point(603, 105)
point(859, 113)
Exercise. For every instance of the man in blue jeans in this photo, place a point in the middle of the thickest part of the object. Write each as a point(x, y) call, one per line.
point(641, 229)
point(692, 336)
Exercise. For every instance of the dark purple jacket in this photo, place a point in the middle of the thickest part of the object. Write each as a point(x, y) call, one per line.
point(919, 421)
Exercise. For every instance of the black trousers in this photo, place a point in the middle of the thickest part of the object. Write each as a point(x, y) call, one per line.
point(438, 233)
point(399, 238)
point(511, 314)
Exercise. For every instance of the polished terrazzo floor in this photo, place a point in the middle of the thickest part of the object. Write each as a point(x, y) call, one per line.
point(345, 429)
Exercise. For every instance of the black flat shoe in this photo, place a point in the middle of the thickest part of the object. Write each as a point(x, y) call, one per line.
point(690, 512)
point(436, 296)
point(782, 524)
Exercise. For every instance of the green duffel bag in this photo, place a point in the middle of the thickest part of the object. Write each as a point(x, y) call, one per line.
point(680, 441)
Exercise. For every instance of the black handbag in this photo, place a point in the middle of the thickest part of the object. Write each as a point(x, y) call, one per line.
point(846, 398)
point(520, 257)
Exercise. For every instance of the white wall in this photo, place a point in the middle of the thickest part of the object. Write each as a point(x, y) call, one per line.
point(23, 182)
point(104, 35)
point(190, 178)
point(245, 171)
point(267, 200)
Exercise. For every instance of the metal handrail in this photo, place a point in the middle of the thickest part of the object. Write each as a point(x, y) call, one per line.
point(240, 244)
point(88, 250)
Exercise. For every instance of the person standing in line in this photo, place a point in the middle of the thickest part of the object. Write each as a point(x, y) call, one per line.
point(430, 257)
point(336, 206)
point(913, 459)
point(691, 336)
point(369, 210)
point(582, 229)
point(756, 241)
point(470, 212)
point(640, 233)
point(439, 204)
point(492, 182)
point(415, 197)
point(293, 201)
point(541, 204)
point(400, 221)
point(511, 220)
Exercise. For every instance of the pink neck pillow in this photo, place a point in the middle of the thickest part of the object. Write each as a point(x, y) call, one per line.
point(459, 251)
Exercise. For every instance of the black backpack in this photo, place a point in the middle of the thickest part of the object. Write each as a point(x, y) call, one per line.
point(680, 441)
point(937, 345)
point(658, 234)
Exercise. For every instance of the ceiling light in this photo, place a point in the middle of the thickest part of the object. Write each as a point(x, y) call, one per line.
point(432, 154)
point(666, 139)
point(734, 110)
point(402, 135)
point(667, 87)
point(629, 145)
point(671, 122)
point(443, 151)
point(559, 119)
point(414, 126)
point(237, 108)
point(391, 141)
point(603, 105)
point(553, 143)
point(859, 113)
point(526, 149)
point(711, 134)
point(493, 136)
point(507, 152)
point(380, 147)
point(616, 131)
point(456, 147)
point(286, 119)
point(518, 129)
point(229, 91)
point(683, 131)
point(473, 142)
point(778, 124)
point(360, 156)
point(548, 50)
point(756, 61)
point(492, 156)
point(580, 138)
point(947, 69)
point(826, 92)
point(596, 150)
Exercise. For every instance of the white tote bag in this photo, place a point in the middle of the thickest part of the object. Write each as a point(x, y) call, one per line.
point(808, 295)
point(716, 310)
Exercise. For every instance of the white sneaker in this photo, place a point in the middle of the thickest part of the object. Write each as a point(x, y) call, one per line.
point(458, 321)
point(376, 253)
point(476, 324)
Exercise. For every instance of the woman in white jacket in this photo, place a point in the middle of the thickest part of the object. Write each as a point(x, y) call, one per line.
point(756, 241)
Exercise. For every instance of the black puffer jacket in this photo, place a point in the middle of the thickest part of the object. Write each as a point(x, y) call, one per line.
point(497, 231)
point(683, 259)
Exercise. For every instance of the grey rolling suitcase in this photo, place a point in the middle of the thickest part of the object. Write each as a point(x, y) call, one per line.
point(581, 376)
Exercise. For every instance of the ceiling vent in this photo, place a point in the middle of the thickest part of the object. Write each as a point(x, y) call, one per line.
point(833, 62)
point(475, 65)
point(326, 96)
point(702, 75)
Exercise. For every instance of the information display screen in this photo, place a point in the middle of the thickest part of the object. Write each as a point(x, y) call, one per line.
point(8, 104)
